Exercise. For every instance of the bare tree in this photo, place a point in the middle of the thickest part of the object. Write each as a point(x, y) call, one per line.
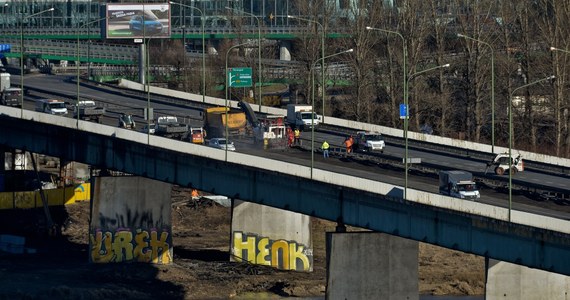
point(415, 28)
point(362, 102)
point(553, 23)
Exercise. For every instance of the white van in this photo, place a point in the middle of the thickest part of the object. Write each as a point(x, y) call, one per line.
point(51, 106)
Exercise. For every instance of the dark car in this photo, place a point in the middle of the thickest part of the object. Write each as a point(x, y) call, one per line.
point(151, 25)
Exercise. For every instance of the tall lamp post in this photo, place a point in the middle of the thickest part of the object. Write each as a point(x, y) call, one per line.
point(406, 123)
point(22, 56)
point(313, 66)
point(405, 88)
point(511, 137)
point(203, 47)
point(228, 83)
point(492, 87)
point(79, 62)
point(258, 50)
point(322, 56)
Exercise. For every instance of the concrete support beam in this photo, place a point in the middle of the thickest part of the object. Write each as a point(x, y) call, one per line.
point(371, 265)
point(285, 50)
point(508, 281)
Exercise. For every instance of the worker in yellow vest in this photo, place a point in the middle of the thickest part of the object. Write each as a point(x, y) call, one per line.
point(325, 148)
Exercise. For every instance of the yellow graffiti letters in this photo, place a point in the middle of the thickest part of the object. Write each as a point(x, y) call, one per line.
point(240, 246)
point(121, 246)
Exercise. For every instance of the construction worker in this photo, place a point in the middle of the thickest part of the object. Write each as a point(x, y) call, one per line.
point(325, 148)
point(195, 195)
point(348, 143)
point(297, 136)
point(290, 137)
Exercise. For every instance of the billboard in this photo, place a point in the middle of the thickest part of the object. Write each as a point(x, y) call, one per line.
point(138, 21)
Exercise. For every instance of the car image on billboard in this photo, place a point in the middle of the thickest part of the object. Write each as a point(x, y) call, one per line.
point(138, 21)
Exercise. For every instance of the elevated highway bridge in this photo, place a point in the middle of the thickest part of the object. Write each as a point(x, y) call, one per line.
point(519, 237)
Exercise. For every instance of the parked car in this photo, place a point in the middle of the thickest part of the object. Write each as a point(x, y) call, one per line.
point(151, 25)
point(220, 143)
point(146, 127)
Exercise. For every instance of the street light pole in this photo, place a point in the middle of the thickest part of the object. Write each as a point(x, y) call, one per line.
point(22, 57)
point(492, 87)
point(322, 56)
point(228, 83)
point(511, 137)
point(258, 51)
point(313, 66)
point(79, 62)
point(203, 47)
point(405, 94)
point(406, 122)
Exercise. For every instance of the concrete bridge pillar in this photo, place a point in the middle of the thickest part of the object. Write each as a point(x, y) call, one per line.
point(131, 221)
point(269, 236)
point(508, 281)
point(285, 50)
point(371, 265)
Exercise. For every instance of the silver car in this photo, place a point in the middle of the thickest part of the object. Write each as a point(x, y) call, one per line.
point(221, 143)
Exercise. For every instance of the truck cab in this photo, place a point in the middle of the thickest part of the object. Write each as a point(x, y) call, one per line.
point(51, 106)
point(369, 141)
point(302, 116)
point(11, 96)
point(88, 110)
point(458, 184)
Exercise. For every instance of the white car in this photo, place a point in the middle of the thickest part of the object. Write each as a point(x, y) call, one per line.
point(145, 129)
point(220, 143)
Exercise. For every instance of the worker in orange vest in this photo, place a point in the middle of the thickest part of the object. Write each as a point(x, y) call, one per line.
point(195, 194)
point(290, 137)
point(348, 143)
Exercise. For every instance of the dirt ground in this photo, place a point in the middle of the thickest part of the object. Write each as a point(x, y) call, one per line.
point(201, 268)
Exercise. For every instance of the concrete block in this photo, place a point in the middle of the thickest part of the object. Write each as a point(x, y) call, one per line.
point(371, 265)
point(507, 281)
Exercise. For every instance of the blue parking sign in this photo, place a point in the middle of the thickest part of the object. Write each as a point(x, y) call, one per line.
point(404, 111)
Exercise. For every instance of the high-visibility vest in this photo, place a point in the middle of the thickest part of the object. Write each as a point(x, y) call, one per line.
point(325, 146)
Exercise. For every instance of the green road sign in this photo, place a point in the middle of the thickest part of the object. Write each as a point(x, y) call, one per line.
point(239, 77)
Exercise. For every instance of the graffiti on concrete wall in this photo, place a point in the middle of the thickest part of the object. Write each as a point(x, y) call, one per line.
point(280, 254)
point(124, 245)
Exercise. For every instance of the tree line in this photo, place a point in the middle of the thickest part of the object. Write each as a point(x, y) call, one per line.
point(493, 48)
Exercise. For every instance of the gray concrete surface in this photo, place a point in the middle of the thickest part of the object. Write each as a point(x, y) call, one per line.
point(269, 236)
point(131, 221)
point(508, 281)
point(370, 265)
